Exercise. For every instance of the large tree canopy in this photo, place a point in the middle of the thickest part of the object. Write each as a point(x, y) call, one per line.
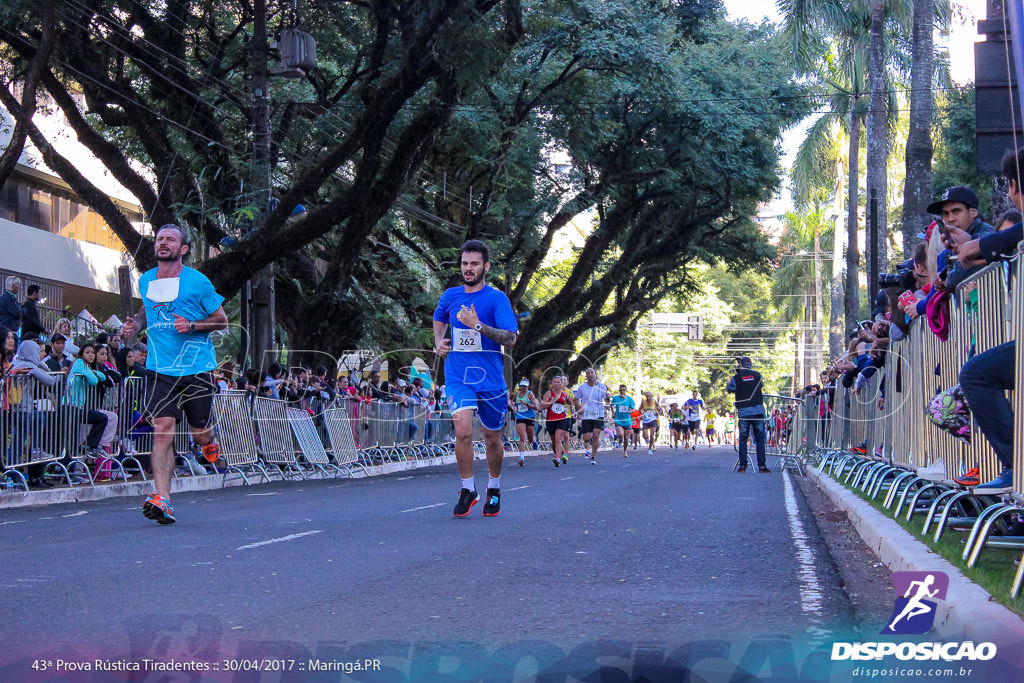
point(426, 123)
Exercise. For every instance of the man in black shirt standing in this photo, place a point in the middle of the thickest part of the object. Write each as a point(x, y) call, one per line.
point(31, 325)
point(746, 384)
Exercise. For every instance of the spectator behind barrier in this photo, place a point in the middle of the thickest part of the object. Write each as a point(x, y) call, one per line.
point(10, 344)
point(11, 312)
point(138, 366)
point(959, 210)
point(81, 376)
point(29, 423)
point(57, 361)
point(31, 325)
point(63, 327)
point(987, 377)
point(111, 378)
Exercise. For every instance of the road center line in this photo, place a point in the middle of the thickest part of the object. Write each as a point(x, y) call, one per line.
point(290, 537)
point(810, 589)
point(77, 514)
point(519, 488)
point(424, 507)
point(567, 478)
point(275, 493)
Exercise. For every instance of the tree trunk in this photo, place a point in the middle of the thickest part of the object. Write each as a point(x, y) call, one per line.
point(835, 325)
point(798, 345)
point(852, 310)
point(878, 133)
point(816, 339)
point(917, 188)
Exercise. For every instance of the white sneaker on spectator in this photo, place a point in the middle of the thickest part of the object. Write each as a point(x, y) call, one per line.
point(934, 472)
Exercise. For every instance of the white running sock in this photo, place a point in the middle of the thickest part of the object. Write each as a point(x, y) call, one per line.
point(469, 484)
point(493, 483)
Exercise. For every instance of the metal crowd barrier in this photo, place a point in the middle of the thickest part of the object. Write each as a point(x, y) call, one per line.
point(987, 310)
point(47, 424)
point(258, 436)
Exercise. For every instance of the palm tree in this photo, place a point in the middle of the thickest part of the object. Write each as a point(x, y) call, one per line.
point(797, 281)
point(878, 140)
point(831, 150)
point(927, 67)
point(917, 188)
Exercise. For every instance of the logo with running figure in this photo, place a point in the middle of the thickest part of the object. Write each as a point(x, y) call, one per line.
point(914, 612)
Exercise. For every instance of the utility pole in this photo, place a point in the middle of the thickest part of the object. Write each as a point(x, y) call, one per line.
point(262, 337)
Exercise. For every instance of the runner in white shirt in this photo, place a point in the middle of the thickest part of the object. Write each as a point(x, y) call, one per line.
point(592, 395)
point(650, 409)
point(693, 408)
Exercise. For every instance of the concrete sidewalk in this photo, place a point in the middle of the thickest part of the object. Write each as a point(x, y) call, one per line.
point(968, 612)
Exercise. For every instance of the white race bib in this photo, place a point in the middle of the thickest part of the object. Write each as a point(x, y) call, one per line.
point(650, 416)
point(163, 290)
point(465, 339)
point(558, 409)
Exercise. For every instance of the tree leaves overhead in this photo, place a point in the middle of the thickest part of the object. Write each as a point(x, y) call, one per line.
point(426, 123)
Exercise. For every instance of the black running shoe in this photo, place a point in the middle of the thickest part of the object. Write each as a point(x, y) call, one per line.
point(467, 499)
point(741, 468)
point(764, 470)
point(555, 460)
point(492, 502)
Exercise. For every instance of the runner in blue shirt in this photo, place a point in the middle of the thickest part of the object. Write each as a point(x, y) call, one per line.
point(180, 309)
point(482, 321)
point(622, 415)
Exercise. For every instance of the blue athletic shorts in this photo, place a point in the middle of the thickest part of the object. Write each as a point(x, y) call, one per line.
point(490, 405)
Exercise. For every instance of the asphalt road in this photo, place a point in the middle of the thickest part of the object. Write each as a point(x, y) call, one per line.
point(656, 559)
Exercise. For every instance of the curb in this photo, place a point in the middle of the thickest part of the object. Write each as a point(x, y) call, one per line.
point(85, 493)
point(968, 612)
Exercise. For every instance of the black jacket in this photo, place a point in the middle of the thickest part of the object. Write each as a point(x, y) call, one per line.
point(31, 324)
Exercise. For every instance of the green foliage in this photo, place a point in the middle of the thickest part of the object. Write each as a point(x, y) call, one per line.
point(955, 149)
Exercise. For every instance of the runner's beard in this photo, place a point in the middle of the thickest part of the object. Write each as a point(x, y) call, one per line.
point(474, 281)
point(170, 257)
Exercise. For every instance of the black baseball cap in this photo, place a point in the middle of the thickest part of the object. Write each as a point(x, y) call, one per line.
point(957, 193)
point(744, 361)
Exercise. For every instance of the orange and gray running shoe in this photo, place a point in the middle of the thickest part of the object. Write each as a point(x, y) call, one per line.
point(158, 509)
point(971, 478)
point(211, 452)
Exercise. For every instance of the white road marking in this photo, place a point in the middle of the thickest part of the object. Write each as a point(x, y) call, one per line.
point(275, 493)
point(519, 488)
point(425, 507)
point(15, 521)
point(567, 478)
point(402, 478)
point(810, 589)
point(289, 537)
point(77, 514)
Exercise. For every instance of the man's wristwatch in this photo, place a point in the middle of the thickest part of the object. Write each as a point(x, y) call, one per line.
point(191, 325)
point(478, 327)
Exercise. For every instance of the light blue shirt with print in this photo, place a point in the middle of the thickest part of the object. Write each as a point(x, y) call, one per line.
point(192, 296)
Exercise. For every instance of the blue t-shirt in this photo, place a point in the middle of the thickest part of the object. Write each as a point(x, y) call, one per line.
point(475, 360)
point(622, 409)
point(192, 296)
point(693, 407)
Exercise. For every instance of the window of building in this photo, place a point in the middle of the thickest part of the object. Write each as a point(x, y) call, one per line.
point(29, 202)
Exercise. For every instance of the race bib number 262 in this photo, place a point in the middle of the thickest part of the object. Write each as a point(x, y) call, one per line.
point(465, 340)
